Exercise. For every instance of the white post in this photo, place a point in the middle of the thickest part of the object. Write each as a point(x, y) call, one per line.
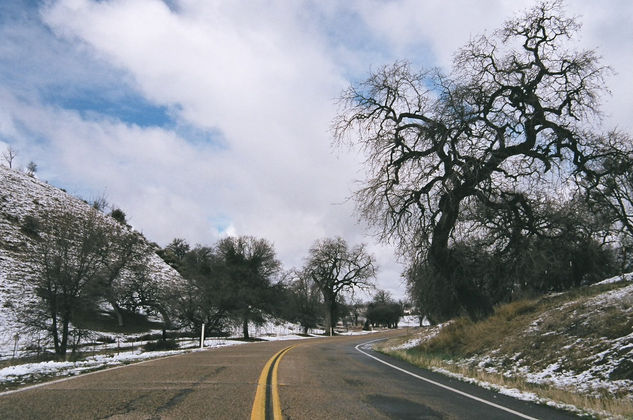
point(16, 337)
point(202, 336)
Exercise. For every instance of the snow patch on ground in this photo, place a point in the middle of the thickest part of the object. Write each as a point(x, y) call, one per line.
point(427, 334)
point(628, 277)
point(511, 392)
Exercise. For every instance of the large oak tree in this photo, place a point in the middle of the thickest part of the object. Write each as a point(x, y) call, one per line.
point(506, 127)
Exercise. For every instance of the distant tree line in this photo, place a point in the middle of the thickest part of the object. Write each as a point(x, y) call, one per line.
point(87, 262)
point(240, 280)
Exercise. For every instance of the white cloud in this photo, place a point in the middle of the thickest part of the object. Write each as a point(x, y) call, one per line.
point(436, 29)
point(267, 89)
point(262, 79)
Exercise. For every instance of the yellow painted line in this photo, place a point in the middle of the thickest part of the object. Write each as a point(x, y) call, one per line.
point(259, 410)
point(275, 388)
point(259, 405)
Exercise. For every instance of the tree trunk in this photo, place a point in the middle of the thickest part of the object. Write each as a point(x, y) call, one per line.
point(330, 319)
point(164, 315)
point(55, 333)
point(64, 343)
point(438, 251)
point(245, 326)
point(117, 311)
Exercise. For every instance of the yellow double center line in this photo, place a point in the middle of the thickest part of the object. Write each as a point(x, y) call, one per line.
point(267, 404)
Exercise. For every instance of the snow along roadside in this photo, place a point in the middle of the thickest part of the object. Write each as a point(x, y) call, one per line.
point(39, 373)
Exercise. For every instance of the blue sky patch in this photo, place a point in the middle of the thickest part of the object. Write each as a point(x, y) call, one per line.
point(129, 108)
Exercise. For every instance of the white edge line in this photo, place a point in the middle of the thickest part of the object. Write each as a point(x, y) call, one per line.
point(441, 385)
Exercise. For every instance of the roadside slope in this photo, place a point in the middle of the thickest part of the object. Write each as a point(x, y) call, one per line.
point(22, 199)
point(573, 348)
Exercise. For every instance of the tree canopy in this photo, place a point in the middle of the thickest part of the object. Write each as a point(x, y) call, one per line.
point(507, 127)
point(335, 267)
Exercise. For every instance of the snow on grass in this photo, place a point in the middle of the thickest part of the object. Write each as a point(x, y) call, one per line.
point(512, 392)
point(422, 335)
point(356, 332)
point(30, 373)
point(575, 349)
point(413, 321)
point(414, 342)
point(616, 279)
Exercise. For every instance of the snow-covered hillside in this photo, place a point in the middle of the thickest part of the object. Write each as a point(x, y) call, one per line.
point(23, 196)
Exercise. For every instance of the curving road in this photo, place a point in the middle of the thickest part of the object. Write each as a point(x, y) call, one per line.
point(326, 378)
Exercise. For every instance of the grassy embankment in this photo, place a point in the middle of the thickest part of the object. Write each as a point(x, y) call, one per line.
point(574, 348)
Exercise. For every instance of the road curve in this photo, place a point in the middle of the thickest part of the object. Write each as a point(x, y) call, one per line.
point(331, 379)
point(324, 378)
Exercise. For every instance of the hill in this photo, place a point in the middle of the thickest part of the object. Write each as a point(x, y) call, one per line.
point(22, 199)
point(573, 349)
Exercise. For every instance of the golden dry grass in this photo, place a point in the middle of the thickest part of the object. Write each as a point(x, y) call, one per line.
point(605, 406)
point(539, 332)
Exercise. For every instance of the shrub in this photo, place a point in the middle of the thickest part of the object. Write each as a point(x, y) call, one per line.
point(161, 345)
point(30, 226)
point(623, 371)
point(119, 216)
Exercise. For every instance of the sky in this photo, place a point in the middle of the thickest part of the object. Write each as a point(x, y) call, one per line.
point(202, 119)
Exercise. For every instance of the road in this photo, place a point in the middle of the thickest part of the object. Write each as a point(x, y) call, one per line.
point(325, 378)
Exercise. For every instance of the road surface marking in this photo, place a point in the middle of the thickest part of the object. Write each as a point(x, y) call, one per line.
point(84, 374)
point(500, 407)
point(267, 404)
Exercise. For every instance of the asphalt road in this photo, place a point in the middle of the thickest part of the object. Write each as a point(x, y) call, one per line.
point(324, 378)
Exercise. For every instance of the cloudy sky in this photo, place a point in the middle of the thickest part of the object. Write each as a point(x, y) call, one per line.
point(204, 118)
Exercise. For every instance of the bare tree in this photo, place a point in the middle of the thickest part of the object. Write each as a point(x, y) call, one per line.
point(140, 289)
point(9, 155)
point(508, 125)
point(336, 268)
point(123, 250)
point(67, 258)
point(206, 295)
point(81, 258)
point(610, 188)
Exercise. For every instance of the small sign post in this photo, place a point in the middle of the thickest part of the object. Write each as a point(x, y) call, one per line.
point(16, 337)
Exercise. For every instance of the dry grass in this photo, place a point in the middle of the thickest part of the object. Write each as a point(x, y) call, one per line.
point(568, 329)
point(463, 337)
point(604, 407)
